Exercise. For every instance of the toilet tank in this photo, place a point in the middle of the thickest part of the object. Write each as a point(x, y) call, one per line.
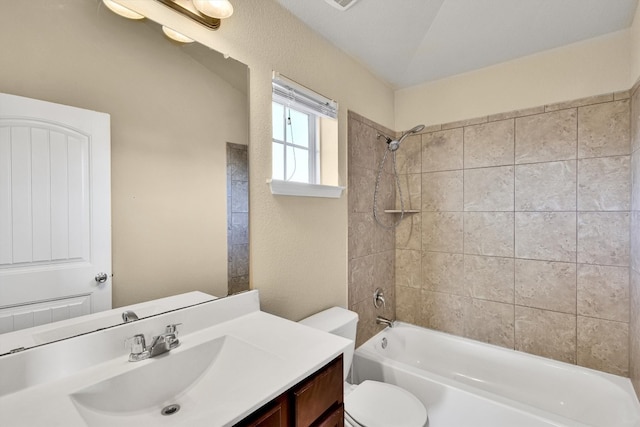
point(338, 321)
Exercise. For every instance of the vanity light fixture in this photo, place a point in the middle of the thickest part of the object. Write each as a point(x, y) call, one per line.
point(121, 10)
point(174, 35)
point(205, 12)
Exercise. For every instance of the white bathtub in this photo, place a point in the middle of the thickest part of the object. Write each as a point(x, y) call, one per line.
point(467, 383)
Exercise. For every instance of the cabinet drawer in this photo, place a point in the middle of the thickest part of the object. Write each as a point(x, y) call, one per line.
point(333, 419)
point(318, 394)
point(274, 414)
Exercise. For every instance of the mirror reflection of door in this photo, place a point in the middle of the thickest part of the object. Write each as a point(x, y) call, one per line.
point(55, 212)
point(237, 217)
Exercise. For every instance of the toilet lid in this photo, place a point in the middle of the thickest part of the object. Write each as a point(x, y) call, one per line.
point(376, 404)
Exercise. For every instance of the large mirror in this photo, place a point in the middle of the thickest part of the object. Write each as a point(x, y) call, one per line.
point(179, 129)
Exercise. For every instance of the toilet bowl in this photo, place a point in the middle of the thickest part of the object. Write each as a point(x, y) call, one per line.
point(371, 403)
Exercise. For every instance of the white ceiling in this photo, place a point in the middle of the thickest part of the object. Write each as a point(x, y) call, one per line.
point(407, 42)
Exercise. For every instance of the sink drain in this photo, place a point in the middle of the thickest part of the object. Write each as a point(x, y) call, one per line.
point(170, 409)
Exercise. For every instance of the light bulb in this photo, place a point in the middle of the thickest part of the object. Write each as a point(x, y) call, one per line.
point(121, 10)
point(220, 9)
point(174, 35)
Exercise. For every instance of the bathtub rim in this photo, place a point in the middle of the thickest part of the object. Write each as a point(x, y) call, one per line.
point(368, 350)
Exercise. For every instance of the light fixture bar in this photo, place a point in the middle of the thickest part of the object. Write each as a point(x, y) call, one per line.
point(187, 8)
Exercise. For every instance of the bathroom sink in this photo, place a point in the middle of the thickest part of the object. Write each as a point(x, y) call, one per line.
point(195, 378)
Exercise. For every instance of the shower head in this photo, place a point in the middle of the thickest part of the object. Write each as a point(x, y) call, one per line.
point(395, 144)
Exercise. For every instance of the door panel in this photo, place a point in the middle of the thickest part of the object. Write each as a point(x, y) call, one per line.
point(55, 225)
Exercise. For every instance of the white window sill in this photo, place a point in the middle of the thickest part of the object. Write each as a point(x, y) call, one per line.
point(288, 188)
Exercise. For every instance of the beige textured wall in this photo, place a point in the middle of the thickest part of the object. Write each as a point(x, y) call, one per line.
point(635, 47)
point(587, 68)
point(168, 137)
point(634, 326)
point(298, 245)
point(523, 236)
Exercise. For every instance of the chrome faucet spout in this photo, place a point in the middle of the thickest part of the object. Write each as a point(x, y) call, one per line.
point(384, 321)
point(129, 316)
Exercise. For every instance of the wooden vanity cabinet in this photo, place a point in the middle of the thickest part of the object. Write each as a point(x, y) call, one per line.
point(316, 401)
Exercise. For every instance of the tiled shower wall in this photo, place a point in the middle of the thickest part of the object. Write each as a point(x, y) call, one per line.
point(237, 218)
point(634, 326)
point(522, 239)
point(371, 247)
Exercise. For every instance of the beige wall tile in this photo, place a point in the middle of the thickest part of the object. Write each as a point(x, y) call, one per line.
point(408, 272)
point(604, 184)
point(360, 279)
point(461, 123)
point(546, 333)
point(407, 304)
point(603, 345)
point(549, 186)
point(546, 285)
point(442, 231)
point(489, 144)
point(384, 265)
point(489, 278)
point(604, 129)
point(489, 189)
point(409, 157)
point(635, 121)
point(361, 186)
point(603, 238)
point(623, 94)
point(411, 188)
point(546, 137)
point(361, 145)
point(488, 233)
point(634, 331)
point(384, 239)
point(386, 197)
point(443, 312)
point(409, 232)
point(607, 97)
point(442, 191)
point(490, 322)
point(549, 236)
point(443, 272)
point(360, 235)
point(442, 150)
point(516, 113)
point(603, 292)
point(635, 181)
point(634, 243)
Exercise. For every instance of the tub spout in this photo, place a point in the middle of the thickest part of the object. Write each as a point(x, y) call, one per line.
point(384, 321)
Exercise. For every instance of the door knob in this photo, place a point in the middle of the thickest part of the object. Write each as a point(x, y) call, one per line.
point(101, 277)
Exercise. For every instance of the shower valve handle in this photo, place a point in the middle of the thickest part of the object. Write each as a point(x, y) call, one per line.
point(378, 299)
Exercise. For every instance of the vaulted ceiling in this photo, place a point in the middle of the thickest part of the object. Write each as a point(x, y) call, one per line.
point(407, 42)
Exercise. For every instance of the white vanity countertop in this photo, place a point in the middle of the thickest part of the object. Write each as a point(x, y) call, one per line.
point(296, 351)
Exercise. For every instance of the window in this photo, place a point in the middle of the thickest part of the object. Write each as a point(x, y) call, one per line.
point(295, 154)
point(304, 135)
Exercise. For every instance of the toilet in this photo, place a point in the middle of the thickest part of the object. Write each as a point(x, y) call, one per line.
point(371, 403)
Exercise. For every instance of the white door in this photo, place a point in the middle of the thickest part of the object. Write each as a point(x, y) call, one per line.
point(55, 212)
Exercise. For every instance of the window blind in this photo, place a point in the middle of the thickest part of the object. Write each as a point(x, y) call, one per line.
point(301, 98)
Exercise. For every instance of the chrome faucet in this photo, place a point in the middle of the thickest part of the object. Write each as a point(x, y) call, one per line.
point(159, 345)
point(384, 321)
point(129, 316)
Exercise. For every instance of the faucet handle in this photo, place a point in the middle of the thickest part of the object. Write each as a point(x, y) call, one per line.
point(136, 342)
point(138, 348)
point(172, 328)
